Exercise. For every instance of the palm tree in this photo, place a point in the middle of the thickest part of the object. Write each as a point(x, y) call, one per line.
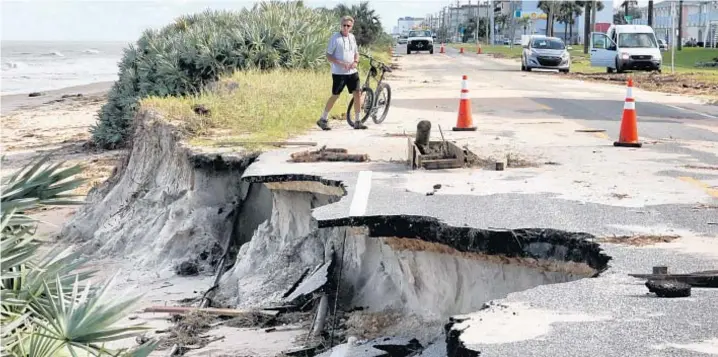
point(565, 15)
point(367, 24)
point(577, 11)
point(587, 8)
point(549, 8)
point(524, 23)
point(47, 311)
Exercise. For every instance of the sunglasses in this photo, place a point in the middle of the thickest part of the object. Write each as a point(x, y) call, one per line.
point(346, 25)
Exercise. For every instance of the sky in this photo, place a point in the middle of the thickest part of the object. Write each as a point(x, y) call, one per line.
point(124, 20)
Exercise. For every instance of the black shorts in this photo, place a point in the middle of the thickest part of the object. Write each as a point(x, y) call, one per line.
point(351, 81)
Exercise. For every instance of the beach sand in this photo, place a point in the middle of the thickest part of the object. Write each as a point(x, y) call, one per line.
point(36, 126)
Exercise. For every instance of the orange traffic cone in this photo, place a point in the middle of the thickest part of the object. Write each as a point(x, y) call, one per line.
point(461, 50)
point(464, 121)
point(441, 49)
point(628, 137)
point(478, 48)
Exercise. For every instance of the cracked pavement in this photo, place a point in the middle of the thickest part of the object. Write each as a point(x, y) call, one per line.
point(577, 181)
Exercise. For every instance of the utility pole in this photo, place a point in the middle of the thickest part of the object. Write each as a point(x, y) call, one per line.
point(673, 36)
point(491, 21)
point(476, 17)
point(709, 6)
point(680, 25)
point(442, 24)
point(594, 10)
point(458, 14)
point(650, 13)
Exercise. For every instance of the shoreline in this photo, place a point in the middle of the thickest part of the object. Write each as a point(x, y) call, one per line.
point(10, 103)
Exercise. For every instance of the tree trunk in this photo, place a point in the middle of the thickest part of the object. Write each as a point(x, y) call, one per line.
point(548, 24)
point(586, 27)
point(650, 13)
point(565, 32)
point(570, 31)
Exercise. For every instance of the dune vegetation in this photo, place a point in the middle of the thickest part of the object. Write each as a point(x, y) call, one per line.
point(274, 52)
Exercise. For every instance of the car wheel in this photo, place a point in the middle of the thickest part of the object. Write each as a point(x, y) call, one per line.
point(563, 70)
point(408, 50)
point(431, 51)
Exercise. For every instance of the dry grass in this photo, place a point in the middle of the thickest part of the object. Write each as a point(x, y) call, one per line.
point(639, 240)
point(538, 264)
point(188, 330)
point(266, 106)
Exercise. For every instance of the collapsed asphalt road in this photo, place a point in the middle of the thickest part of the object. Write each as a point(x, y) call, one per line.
point(575, 181)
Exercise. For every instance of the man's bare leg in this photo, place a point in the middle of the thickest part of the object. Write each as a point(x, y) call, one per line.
point(357, 109)
point(330, 104)
point(322, 123)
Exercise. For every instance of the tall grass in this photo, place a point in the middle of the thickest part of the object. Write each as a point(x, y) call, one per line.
point(262, 106)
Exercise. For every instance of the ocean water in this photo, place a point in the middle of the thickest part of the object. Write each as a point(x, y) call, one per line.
point(41, 66)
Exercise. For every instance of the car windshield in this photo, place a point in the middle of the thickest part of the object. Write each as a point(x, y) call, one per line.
point(420, 34)
point(548, 44)
point(636, 40)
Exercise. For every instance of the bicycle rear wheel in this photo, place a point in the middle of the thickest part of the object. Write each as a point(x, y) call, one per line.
point(367, 103)
point(383, 99)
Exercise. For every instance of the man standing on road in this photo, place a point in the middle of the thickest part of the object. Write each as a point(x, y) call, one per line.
point(343, 54)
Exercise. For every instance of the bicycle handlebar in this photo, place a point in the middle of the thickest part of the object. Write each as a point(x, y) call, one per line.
point(372, 59)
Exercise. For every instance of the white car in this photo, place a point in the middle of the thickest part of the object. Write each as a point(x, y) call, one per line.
point(420, 40)
point(625, 47)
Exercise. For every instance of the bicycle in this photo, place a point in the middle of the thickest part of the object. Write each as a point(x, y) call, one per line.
point(371, 97)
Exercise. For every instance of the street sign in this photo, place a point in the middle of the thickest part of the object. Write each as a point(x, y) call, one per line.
point(628, 18)
point(517, 14)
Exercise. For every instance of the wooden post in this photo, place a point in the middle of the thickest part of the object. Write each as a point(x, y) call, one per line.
point(423, 131)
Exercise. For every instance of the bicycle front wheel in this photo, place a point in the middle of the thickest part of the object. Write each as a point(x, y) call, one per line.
point(383, 99)
point(367, 103)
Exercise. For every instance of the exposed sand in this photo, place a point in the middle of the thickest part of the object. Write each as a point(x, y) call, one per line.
point(13, 102)
point(35, 126)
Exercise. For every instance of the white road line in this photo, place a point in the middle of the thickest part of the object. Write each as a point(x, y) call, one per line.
point(693, 111)
point(361, 194)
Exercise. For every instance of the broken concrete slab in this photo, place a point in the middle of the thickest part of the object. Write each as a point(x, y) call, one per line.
point(316, 280)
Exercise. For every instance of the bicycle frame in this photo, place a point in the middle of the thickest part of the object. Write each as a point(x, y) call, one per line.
point(373, 73)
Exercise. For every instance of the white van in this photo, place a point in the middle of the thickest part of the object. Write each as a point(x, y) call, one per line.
point(625, 47)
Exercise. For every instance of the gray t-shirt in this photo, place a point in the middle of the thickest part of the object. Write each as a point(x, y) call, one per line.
point(343, 49)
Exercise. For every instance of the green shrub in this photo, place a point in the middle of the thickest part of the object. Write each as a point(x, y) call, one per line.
point(196, 49)
point(49, 309)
